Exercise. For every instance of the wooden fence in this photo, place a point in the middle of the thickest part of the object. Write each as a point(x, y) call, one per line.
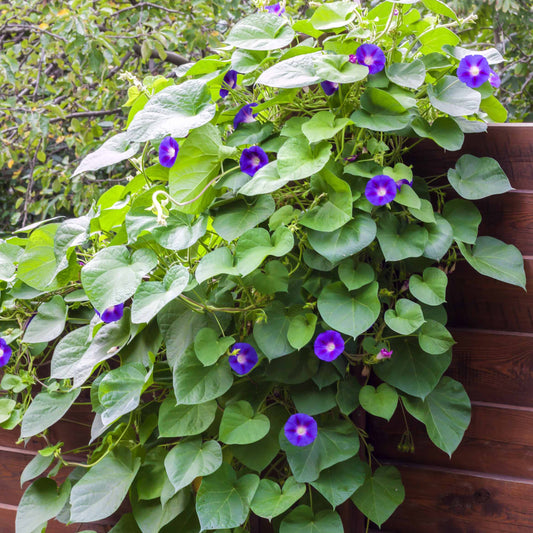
point(487, 486)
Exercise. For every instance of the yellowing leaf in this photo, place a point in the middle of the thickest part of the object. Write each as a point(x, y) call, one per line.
point(43, 26)
point(62, 12)
point(10, 163)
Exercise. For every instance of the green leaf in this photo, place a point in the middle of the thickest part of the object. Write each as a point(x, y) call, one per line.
point(407, 196)
point(375, 100)
point(431, 288)
point(195, 383)
point(348, 395)
point(335, 442)
point(274, 279)
point(494, 109)
point(239, 424)
point(197, 165)
point(335, 210)
point(380, 402)
point(271, 500)
point(333, 15)
point(344, 242)
point(339, 482)
point(103, 488)
point(303, 520)
point(445, 412)
point(184, 420)
point(338, 69)
point(40, 503)
point(190, 459)
point(234, 219)
point(264, 181)
point(114, 150)
point(45, 410)
point(425, 213)
point(246, 61)
point(299, 71)
point(120, 391)
point(444, 131)
point(405, 318)
point(412, 370)
point(152, 296)
point(382, 121)
point(9, 255)
point(223, 501)
point(478, 177)
point(113, 275)
point(173, 111)
point(35, 467)
point(440, 238)
point(411, 75)
point(355, 278)
point(72, 232)
point(297, 159)
point(261, 31)
point(324, 125)
point(49, 322)
point(181, 231)
point(400, 241)
point(152, 516)
point(350, 313)
point(380, 494)
point(453, 97)
point(301, 330)
point(434, 338)
point(435, 39)
point(464, 218)
point(440, 8)
point(311, 400)
point(209, 347)
point(152, 477)
point(492, 257)
point(69, 351)
point(271, 334)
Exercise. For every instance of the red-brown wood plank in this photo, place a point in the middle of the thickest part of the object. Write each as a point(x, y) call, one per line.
point(494, 366)
point(510, 144)
point(498, 441)
point(449, 501)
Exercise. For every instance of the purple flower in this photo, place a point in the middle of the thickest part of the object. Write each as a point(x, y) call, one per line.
point(473, 70)
point(275, 9)
point(229, 82)
point(494, 79)
point(352, 58)
point(381, 190)
point(244, 115)
point(329, 345)
point(329, 87)
point(252, 159)
point(301, 429)
point(403, 181)
point(168, 151)
point(5, 352)
point(243, 358)
point(112, 314)
point(384, 354)
point(351, 158)
point(396, 11)
point(371, 56)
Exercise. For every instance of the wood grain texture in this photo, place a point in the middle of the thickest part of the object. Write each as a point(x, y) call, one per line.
point(494, 366)
point(439, 501)
point(510, 144)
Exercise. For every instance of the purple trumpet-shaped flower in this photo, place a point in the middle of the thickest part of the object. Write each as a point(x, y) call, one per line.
point(381, 190)
point(403, 181)
point(384, 354)
point(329, 87)
point(5, 352)
point(168, 151)
point(275, 9)
point(112, 314)
point(473, 70)
point(301, 429)
point(243, 358)
point(494, 79)
point(329, 345)
point(229, 82)
point(371, 56)
point(252, 159)
point(245, 115)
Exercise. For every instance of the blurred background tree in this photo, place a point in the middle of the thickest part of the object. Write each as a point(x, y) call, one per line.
point(64, 81)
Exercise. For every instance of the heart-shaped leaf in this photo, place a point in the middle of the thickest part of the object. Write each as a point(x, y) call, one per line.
point(464, 218)
point(435, 338)
point(431, 288)
point(303, 520)
point(184, 420)
point(405, 318)
point(400, 241)
point(356, 277)
point(301, 330)
point(271, 500)
point(209, 347)
point(379, 402)
point(297, 159)
point(239, 424)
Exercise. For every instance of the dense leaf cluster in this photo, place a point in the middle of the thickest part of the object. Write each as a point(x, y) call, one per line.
point(204, 255)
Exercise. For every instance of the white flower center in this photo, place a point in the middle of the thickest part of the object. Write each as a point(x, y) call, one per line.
point(256, 161)
point(330, 346)
point(301, 430)
point(1, 352)
point(241, 359)
point(368, 60)
point(474, 71)
point(382, 191)
point(171, 151)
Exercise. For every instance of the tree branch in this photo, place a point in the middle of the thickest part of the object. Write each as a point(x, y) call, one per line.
point(173, 58)
point(144, 4)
